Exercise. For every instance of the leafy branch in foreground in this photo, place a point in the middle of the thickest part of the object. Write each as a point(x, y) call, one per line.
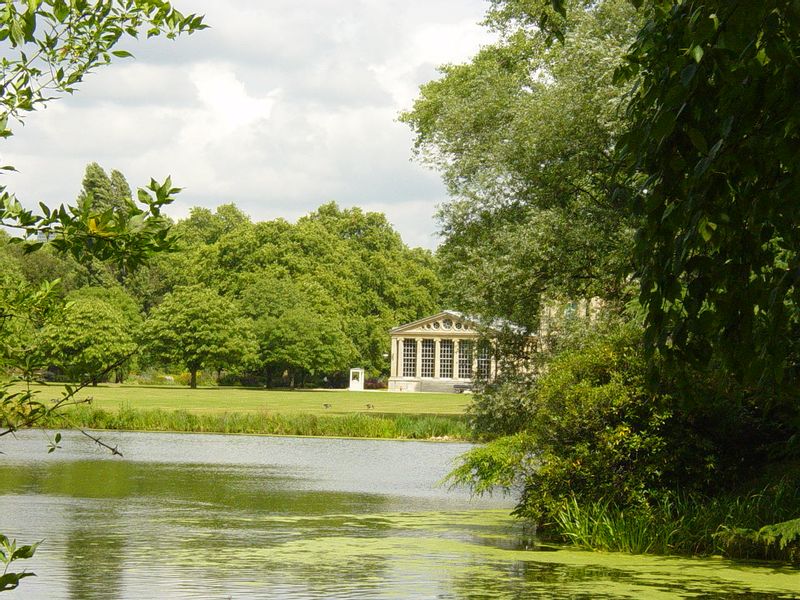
point(53, 44)
point(48, 46)
point(23, 409)
point(9, 552)
point(122, 235)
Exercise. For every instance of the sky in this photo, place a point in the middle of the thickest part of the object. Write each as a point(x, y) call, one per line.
point(280, 106)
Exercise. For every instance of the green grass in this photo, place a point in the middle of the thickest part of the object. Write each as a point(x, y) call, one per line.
point(216, 400)
point(356, 425)
point(373, 414)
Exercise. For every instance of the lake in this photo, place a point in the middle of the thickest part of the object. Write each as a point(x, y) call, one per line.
point(216, 516)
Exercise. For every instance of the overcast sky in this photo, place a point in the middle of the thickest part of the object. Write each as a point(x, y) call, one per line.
point(279, 107)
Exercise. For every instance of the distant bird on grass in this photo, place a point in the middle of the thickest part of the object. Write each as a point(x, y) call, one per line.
point(326, 406)
point(370, 406)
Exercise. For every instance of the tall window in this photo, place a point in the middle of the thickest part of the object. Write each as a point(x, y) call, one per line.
point(446, 358)
point(465, 360)
point(484, 360)
point(409, 358)
point(426, 359)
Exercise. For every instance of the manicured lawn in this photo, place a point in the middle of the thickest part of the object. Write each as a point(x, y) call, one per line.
point(219, 400)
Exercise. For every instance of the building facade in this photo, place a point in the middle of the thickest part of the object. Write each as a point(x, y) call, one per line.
point(441, 353)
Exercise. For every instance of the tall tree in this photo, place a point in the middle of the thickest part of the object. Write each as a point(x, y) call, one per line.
point(715, 143)
point(711, 153)
point(299, 327)
point(523, 136)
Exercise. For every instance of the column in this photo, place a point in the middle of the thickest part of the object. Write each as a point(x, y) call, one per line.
point(393, 358)
point(398, 367)
point(436, 374)
point(456, 344)
point(418, 369)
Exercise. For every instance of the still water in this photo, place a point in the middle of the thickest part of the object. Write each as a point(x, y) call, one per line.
point(207, 516)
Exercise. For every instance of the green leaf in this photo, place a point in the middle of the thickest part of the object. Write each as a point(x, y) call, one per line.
point(697, 53)
point(698, 140)
point(706, 229)
point(10, 581)
point(687, 74)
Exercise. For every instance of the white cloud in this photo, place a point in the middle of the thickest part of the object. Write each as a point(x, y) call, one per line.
point(279, 107)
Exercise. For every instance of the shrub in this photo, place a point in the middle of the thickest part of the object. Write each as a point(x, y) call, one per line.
point(502, 408)
point(593, 429)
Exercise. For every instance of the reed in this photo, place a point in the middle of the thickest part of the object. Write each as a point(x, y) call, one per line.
point(355, 425)
point(678, 523)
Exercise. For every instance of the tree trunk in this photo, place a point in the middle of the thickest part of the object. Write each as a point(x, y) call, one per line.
point(291, 381)
point(193, 379)
point(268, 377)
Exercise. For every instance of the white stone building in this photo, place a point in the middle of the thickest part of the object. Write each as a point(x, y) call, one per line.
point(441, 353)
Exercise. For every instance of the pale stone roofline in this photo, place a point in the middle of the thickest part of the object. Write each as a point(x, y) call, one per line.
point(497, 324)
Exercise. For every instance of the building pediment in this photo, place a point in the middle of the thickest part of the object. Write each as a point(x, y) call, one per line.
point(447, 321)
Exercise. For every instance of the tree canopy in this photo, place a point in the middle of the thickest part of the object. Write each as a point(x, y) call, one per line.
point(603, 148)
point(714, 150)
point(194, 327)
point(524, 137)
point(91, 336)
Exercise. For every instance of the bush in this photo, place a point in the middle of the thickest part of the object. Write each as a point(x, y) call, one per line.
point(591, 428)
point(502, 408)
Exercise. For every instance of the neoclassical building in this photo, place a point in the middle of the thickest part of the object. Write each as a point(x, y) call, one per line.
point(441, 353)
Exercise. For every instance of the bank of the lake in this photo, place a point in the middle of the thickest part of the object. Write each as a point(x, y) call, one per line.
point(353, 425)
point(319, 413)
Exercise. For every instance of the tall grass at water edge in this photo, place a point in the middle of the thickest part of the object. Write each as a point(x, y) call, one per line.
point(680, 524)
point(355, 425)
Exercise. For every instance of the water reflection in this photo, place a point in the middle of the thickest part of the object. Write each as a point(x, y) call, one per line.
point(238, 517)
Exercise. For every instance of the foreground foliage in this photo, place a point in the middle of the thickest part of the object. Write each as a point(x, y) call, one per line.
point(48, 47)
point(688, 163)
point(603, 459)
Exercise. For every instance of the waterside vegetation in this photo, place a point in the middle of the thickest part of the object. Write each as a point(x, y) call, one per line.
point(336, 413)
point(642, 155)
point(352, 425)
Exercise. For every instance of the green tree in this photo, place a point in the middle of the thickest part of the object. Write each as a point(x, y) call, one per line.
point(117, 298)
point(103, 191)
point(355, 257)
point(298, 327)
point(711, 156)
point(379, 280)
point(523, 136)
point(197, 328)
point(129, 309)
point(701, 168)
point(91, 337)
point(714, 144)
